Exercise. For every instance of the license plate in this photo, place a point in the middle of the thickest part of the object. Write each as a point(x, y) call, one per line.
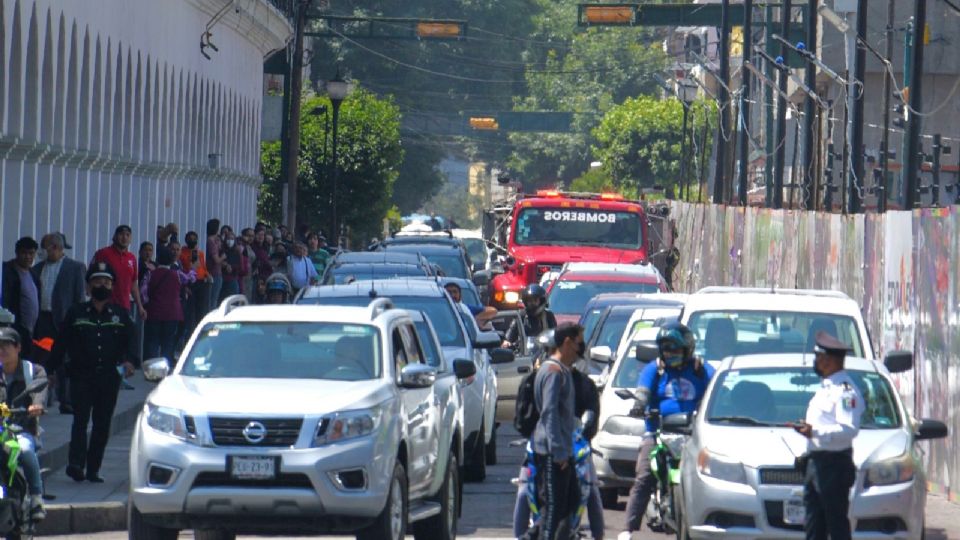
point(794, 512)
point(253, 467)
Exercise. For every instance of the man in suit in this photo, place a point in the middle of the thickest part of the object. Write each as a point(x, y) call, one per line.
point(21, 291)
point(61, 286)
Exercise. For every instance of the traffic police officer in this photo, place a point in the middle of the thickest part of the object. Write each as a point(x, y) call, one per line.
point(96, 334)
point(832, 422)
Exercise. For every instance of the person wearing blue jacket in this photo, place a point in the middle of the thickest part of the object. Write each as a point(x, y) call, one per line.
point(675, 383)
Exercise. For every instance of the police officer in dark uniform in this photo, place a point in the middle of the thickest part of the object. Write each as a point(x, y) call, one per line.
point(832, 422)
point(97, 335)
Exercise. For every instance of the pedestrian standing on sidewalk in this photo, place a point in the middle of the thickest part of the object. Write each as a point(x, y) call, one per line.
point(97, 335)
point(558, 491)
point(21, 290)
point(831, 424)
point(61, 286)
point(215, 259)
point(193, 258)
point(16, 374)
point(124, 264)
point(249, 261)
point(233, 270)
point(300, 268)
point(164, 308)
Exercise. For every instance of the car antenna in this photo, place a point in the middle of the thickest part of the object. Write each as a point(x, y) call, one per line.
point(373, 283)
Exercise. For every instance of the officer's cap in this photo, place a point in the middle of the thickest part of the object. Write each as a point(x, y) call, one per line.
point(9, 335)
point(827, 344)
point(100, 269)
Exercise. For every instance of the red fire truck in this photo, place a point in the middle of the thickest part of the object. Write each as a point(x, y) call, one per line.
point(543, 231)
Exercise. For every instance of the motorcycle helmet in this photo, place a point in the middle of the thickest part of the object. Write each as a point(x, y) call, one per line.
point(678, 342)
point(278, 283)
point(534, 299)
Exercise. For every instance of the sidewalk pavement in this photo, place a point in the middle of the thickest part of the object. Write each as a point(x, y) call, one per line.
point(79, 507)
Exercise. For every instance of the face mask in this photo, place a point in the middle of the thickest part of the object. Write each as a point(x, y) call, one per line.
point(581, 348)
point(673, 362)
point(231, 242)
point(100, 293)
point(191, 244)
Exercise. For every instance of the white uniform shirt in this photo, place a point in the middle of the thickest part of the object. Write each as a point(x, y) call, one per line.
point(834, 413)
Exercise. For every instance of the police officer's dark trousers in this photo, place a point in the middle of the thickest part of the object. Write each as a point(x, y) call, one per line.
point(94, 396)
point(827, 483)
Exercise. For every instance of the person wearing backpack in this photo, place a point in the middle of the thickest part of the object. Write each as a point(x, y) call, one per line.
point(674, 383)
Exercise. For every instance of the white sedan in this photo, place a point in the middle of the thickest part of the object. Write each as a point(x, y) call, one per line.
point(737, 470)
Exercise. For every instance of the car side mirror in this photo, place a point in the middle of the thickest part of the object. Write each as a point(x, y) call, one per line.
point(678, 423)
point(501, 356)
point(601, 353)
point(464, 368)
point(480, 278)
point(487, 340)
point(478, 267)
point(898, 361)
point(155, 369)
point(647, 352)
point(417, 376)
point(931, 429)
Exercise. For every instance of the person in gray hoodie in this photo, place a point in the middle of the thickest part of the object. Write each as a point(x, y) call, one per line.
point(557, 486)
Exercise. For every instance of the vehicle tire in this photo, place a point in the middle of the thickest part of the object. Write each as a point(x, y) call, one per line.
point(391, 524)
point(213, 534)
point(475, 469)
point(683, 531)
point(490, 451)
point(139, 529)
point(609, 498)
point(443, 526)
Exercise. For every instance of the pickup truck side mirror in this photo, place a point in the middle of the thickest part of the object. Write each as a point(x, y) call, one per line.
point(678, 423)
point(155, 369)
point(487, 340)
point(464, 368)
point(417, 376)
point(480, 277)
point(601, 353)
point(501, 356)
point(898, 361)
point(931, 429)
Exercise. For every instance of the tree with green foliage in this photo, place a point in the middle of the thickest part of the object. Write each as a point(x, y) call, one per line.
point(639, 142)
point(593, 181)
point(369, 158)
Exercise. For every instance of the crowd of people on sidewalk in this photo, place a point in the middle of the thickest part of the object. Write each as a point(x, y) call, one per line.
point(85, 327)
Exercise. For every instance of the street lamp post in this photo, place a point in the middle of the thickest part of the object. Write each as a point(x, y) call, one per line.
point(687, 94)
point(337, 90)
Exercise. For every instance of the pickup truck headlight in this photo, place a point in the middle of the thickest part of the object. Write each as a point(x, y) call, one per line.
point(720, 467)
point(166, 420)
point(347, 425)
point(625, 425)
point(895, 470)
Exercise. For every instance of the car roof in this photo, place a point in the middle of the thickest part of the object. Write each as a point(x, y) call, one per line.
point(295, 313)
point(789, 300)
point(794, 360)
point(377, 257)
point(424, 248)
point(611, 268)
point(443, 280)
point(384, 287)
point(604, 300)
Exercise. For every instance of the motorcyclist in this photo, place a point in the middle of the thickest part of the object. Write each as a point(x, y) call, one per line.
point(538, 318)
point(278, 289)
point(674, 383)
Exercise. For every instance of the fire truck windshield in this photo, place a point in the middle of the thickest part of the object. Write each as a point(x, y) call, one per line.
point(578, 226)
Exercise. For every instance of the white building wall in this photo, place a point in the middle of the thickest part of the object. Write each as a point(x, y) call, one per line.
point(108, 112)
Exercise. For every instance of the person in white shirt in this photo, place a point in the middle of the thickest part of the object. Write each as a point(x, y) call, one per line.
point(831, 424)
point(300, 268)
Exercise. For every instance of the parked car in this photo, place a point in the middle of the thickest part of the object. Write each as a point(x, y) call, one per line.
point(363, 265)
point(333, 415)
point(579, 282)
point(738, 478)
point(479, 391)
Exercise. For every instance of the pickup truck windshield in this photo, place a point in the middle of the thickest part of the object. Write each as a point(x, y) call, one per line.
point(578, 227)
point(285, 350)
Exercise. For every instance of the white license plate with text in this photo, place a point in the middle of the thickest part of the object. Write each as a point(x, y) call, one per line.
point(794, 512)
point(253, 467)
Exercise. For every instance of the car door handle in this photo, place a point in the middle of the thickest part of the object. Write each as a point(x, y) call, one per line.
point(523, 369)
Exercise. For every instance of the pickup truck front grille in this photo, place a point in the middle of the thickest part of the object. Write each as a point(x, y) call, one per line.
point(783, 477)
point(278, 431)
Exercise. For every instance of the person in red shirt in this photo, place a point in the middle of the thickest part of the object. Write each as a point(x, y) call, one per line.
point(124, 263)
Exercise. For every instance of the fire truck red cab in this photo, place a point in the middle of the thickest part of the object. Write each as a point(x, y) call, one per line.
point(551, 228)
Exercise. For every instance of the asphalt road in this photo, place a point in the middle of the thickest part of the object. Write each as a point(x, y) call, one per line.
point(488, 506)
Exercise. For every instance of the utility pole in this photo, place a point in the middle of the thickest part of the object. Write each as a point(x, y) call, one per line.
point(856, 115)
point(810, 110)
point(911, 165)
point(719, 175)
point(881, 189)
point(293, 126)
point(769, 147)
point(785, 9)
point(285, 140)
point(744, 124)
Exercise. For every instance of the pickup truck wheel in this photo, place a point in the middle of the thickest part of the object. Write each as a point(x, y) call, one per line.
point(139, 529)
point(391, 524)
point(491, 449)
point(476, 466)
point(213, 534)
point(443, 526)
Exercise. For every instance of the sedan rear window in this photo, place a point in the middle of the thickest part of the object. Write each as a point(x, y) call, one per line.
point(285, 350)
point(775, 396)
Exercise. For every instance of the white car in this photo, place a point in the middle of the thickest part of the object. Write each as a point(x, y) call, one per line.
point(299, 419)
point(738, 478)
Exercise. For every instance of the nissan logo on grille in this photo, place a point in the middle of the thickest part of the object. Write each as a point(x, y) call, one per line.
point(254, 432)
